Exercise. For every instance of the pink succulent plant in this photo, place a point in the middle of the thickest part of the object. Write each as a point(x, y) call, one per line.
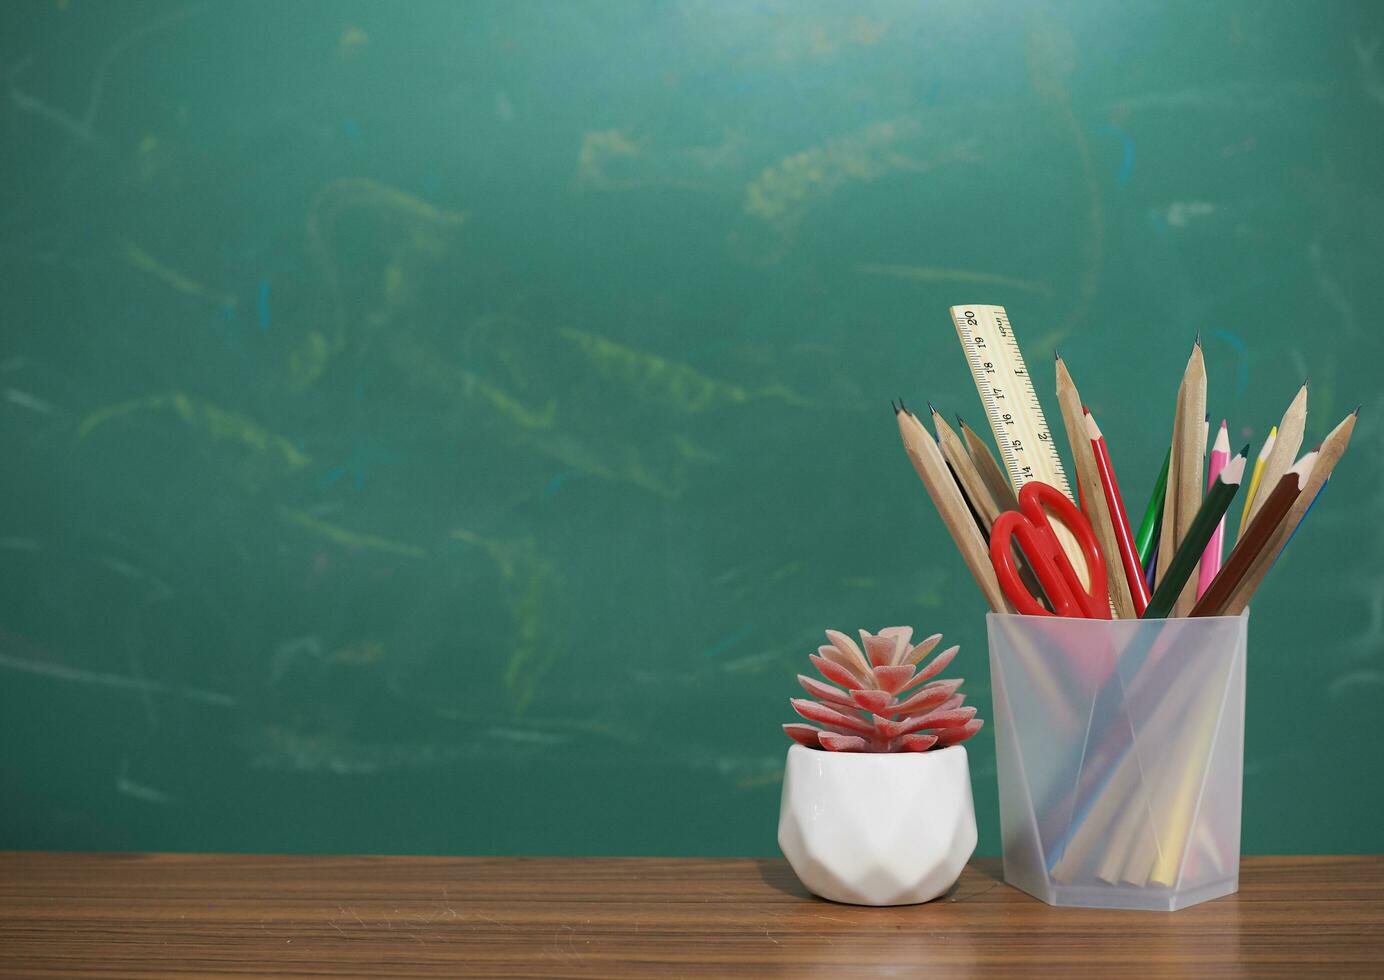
point(879, 706)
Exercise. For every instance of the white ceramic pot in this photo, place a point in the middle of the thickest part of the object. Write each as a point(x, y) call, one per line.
point(877, 829)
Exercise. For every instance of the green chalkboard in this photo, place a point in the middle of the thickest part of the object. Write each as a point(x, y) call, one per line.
point(448, 427)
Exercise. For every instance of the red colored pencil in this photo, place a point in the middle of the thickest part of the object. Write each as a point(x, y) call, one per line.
point(1129, 554)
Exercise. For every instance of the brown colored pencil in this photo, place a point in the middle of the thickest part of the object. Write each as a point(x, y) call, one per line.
point(982, 501)
point(1088, 476)
point(1333, 447)
point(946, 497)
point(1256, 537)
point(1285, 448)
point(1183, 498)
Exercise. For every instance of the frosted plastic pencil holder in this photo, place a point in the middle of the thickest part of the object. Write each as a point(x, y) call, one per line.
point(1120, 749)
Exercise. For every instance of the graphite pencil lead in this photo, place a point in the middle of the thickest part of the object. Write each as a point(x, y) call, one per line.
point(931, 408)
point(1197, 342)
point(959, 419)
point(1356, 413)
point(1245, 451)
point(893, 406)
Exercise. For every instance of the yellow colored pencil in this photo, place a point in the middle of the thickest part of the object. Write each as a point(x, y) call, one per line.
point(1254, 479)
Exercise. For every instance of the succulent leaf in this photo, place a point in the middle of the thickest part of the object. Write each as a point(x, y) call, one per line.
point(880, 649)
point(901, 636)
point(847, 646)
point(939, 663)
point(917, 743)
point(844, 743)
point(829, 652)
point(893, 678)
point(825, 692)
point(922, 649)
point(814, 711)
point(835, 672)
point(958, 733)
point(871, 700)
point(804, 734)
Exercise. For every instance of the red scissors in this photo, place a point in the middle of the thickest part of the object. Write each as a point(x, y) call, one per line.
point(1030, 527)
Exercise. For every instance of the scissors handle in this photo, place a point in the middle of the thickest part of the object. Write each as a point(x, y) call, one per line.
point(1030, 528)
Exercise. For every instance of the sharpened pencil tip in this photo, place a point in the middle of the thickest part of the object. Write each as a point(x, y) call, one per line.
point(903, 405)
point(1056, 354)
point(1356, 413)
point(1197, 342)
point(959, 420)
point(1222, 423)
point(932, 410)
point(1245, 451)
point(1304, 381)
point(893, 406)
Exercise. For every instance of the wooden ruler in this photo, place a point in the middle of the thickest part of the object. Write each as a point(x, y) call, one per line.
point(1006, 390)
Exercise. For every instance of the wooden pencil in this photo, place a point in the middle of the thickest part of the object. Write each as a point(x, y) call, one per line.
point(1180, 570)
point(1256, 477)
point(1129, 555)
point(1285, 448)
point(1256, 537)
point(1002, 493)
point(946, 497)
point(982, 501)
point(1184, 496)
point(989, 468)
point(1332, 449)
point(1088, 477)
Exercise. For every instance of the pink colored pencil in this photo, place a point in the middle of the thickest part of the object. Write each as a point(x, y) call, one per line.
point(1211, 557)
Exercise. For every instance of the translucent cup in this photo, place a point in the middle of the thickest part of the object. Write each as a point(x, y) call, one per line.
point(1120, 750)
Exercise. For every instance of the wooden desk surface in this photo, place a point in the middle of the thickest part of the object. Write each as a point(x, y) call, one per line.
point(171, 914)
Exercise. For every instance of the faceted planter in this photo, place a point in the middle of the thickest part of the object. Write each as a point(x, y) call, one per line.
point(877, 828)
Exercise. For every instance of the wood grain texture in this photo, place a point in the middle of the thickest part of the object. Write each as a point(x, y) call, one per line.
point(1285, 448)
point(188, 914)
point(1333, 447)
point(1088, 478)
point(951, 506)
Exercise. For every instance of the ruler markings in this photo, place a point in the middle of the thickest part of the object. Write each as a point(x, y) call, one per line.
point(1002, 379)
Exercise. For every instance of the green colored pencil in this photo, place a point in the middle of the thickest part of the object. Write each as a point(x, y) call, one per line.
point(1153, 513)
point(1209, 514)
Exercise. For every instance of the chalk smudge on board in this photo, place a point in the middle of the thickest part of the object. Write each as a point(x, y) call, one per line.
point(217, 422)
point(1365, 680)
point(139, 791)
point(121, 682)
point(667, 382)
point(782, 195)
point(1127, 153)
point(527, 582)
point(32, 402)
point(140, 259)
point(1241, 355)
point(932, 274)
point(724, 644)
point(348, 538)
